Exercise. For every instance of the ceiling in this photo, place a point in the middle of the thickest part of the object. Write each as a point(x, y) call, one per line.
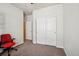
point(28, 7)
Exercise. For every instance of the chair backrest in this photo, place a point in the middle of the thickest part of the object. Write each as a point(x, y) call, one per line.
point(6, 38)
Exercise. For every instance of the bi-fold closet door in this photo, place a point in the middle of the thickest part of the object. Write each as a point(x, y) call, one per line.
point(46, 30)
point(48, 26)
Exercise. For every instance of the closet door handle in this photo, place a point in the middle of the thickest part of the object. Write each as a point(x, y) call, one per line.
point(55, 32)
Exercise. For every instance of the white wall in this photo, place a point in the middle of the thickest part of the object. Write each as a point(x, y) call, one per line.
point(28, 19)
point(71, 29)
point(13, 21)
point(56, 11)
point(2, 23)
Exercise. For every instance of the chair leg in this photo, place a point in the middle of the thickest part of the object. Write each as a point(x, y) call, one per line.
point(8, 52)
point(2, 52)
point(14, 49)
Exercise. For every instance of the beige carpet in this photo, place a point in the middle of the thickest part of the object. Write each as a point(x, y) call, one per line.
point(29, 49)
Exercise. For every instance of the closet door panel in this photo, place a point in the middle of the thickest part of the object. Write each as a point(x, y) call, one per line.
point(51, 31)
point(41, 30)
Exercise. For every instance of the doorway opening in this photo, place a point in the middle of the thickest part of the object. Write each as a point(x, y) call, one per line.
point(28, 27)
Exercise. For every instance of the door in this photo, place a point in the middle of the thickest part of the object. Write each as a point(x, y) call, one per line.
point(41, 37)
point(51, 31)
point(46, 30)
point(29, 28)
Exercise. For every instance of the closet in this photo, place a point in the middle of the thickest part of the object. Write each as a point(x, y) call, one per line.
point(48, 26)
point(46, 30)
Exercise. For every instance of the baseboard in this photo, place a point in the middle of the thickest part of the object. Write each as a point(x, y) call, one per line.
point(17, 44)
point(28, 39)
point(67, 52)
point(59, 46)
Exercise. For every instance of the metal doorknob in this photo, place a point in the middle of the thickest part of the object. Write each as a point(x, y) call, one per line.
point(54, 32)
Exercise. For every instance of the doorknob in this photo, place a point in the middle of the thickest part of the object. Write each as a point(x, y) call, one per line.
point(54, 32)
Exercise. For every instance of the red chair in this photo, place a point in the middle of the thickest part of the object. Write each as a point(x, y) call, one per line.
point(7, 43)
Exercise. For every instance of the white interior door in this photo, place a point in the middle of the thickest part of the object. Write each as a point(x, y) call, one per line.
point(51, 31)
point(41, 38)
point(46, 31)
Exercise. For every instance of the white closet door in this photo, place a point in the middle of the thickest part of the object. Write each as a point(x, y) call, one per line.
point(46, 31)
point(51, 31)
point(41, 38)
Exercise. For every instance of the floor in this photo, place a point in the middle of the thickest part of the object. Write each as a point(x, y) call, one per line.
point(29, 49)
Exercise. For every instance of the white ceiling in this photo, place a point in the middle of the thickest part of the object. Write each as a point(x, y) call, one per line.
point(28, 8)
